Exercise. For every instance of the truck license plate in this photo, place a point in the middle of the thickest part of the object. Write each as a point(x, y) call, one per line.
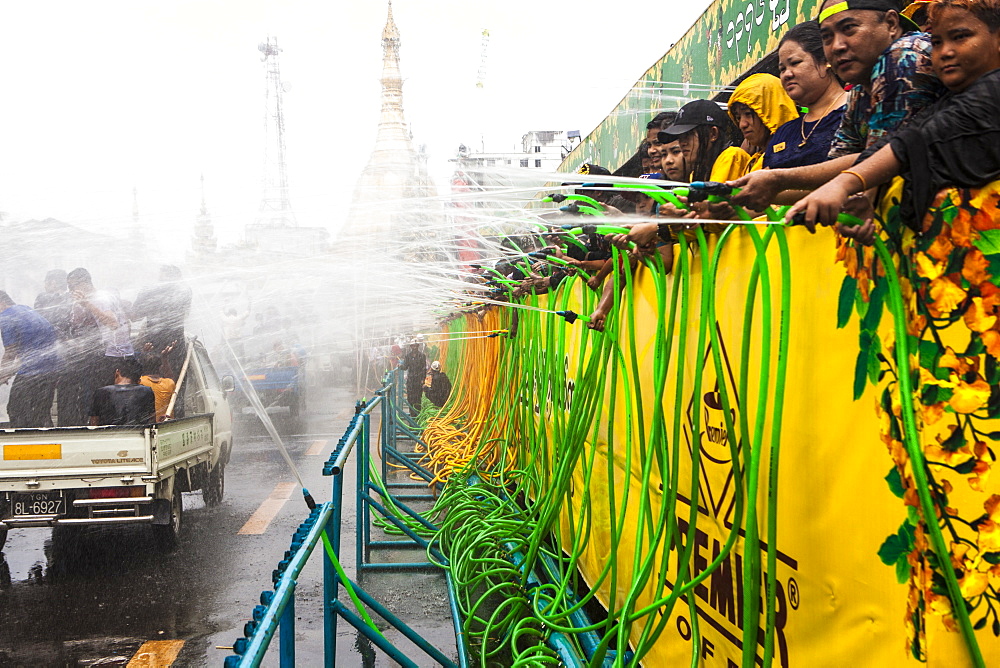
point(38, 503)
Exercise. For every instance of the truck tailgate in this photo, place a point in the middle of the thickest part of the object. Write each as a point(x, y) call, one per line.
point(178, 440)
point(74, 452)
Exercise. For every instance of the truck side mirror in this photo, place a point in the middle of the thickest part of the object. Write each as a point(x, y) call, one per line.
point(228, 384)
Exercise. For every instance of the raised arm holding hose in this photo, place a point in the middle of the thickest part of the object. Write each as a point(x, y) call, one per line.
point(620, 238)
point(954, 142)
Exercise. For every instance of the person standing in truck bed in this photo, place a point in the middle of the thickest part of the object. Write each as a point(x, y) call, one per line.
point(29, 356)
point(99, 340)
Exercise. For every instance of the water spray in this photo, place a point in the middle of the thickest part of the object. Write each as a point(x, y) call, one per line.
point(265, 419)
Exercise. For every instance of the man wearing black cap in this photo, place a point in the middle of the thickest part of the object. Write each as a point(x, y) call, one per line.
point(870, 45)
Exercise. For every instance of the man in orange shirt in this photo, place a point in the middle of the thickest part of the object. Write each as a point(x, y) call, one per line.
point(156, 374)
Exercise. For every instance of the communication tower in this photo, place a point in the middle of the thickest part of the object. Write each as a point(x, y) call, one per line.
point(275, 206)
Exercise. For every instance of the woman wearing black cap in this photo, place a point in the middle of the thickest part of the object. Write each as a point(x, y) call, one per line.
point(702, 129)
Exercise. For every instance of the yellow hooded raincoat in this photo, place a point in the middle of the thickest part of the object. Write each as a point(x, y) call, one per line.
point(763, 93)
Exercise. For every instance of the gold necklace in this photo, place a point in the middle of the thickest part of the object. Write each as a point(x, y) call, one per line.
point(802, 127)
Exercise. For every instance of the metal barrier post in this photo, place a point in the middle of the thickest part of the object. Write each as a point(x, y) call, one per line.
point(364, 477)
point(329, 613)
point(376, 638)
point(249, 651)
point(361, 542)
point(331, 580)
point(388, 421)
point(286, 635)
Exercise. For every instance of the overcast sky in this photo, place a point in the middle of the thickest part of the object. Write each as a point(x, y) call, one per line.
point(103, 96)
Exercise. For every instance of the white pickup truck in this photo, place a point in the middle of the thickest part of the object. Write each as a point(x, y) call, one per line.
point(77, 476)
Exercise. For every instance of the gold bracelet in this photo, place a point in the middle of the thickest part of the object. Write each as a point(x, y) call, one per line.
point(864, 184)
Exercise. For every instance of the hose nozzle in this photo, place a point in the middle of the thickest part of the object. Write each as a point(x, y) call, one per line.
point(572, 316)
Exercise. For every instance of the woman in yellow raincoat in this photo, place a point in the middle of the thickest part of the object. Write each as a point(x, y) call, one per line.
point(758, 107)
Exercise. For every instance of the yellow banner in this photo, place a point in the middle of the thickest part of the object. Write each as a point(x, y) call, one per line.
point(837, 602)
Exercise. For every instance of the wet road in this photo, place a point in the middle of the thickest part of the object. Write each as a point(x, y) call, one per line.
point(108, 597)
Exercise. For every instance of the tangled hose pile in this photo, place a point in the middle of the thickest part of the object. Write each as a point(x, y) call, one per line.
point(466, 428)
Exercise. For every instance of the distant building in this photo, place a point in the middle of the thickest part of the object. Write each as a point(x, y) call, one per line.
point(394, 226)
point(541, 150)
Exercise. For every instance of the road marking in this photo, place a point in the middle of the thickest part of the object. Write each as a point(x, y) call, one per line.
point(257, 524)
point(156, 654)
point(316, 447)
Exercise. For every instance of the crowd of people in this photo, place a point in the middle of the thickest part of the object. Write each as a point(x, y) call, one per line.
point(72, 358)
point(869, 90)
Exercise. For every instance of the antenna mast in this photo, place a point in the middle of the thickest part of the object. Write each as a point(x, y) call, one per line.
point(481, 74)
point(275, 206)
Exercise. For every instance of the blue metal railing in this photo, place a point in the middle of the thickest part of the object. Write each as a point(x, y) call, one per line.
point(276, 611)
point(277, 607)
point(393, 428)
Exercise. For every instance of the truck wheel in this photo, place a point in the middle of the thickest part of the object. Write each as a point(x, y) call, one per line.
point(168, 535)
point(215, 486)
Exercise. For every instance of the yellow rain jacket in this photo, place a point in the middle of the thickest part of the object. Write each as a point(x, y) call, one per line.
point(731, 164)
point(763, 93)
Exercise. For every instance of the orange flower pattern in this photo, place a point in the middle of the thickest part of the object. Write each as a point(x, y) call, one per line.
point(949, 268)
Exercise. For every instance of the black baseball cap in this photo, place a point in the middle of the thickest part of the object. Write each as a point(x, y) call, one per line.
point(691, 115)
point(833, 8)
point(590, 169)
point(596, 170)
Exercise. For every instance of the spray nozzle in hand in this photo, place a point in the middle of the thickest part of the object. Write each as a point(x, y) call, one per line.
point(845, 219)
point(852, 227)
point(572, 316)
point(702, 190)
point(716, 188)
